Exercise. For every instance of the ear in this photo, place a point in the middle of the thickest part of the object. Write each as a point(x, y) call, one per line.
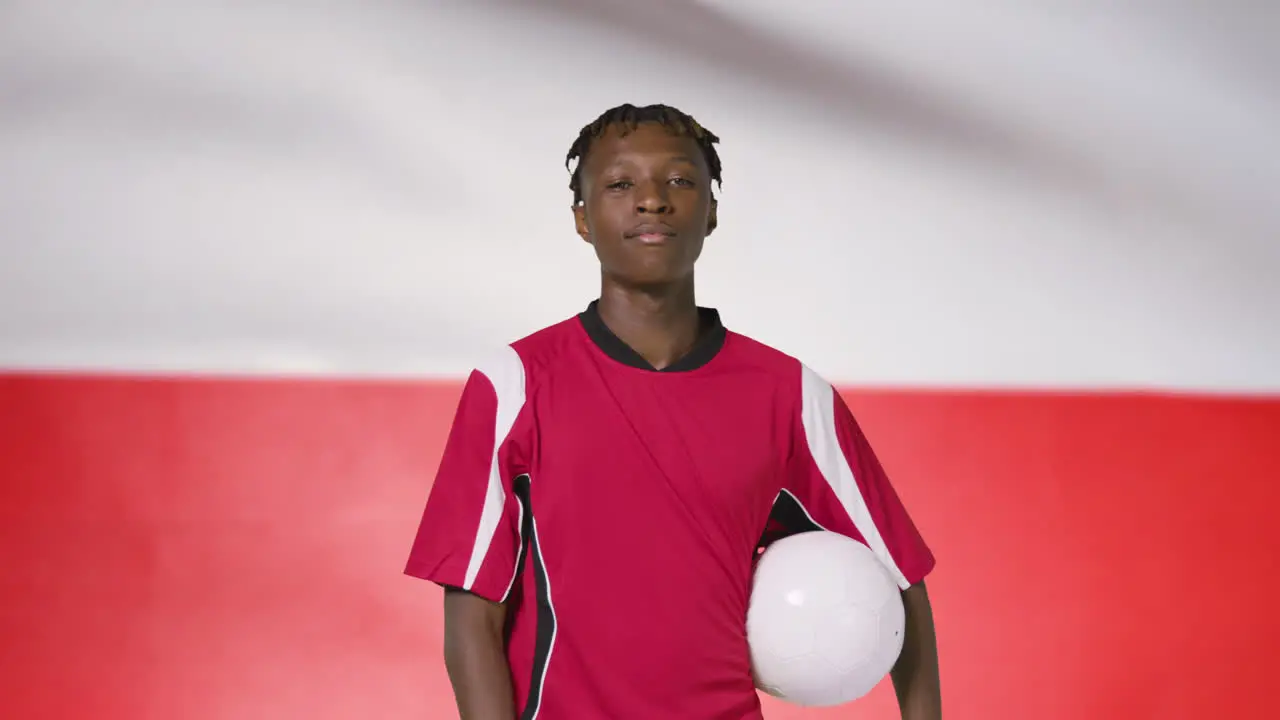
point(711, 216)
point(580, 222)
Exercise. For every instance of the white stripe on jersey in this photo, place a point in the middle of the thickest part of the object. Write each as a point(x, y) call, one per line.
point(505, 372)
point(818, 414)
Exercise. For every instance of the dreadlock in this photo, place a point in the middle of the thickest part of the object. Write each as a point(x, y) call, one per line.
point(629, 117)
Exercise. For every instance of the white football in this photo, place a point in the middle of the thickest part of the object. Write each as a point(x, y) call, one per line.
point(825, 621)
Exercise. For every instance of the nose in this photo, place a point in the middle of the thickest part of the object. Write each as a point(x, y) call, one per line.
point(652, 199)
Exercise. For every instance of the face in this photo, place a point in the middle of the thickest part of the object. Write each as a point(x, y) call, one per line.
point(647, 205)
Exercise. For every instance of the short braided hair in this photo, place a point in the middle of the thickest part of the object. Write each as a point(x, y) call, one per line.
point(629, 117)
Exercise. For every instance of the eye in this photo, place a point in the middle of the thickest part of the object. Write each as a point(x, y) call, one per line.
point(619, 185)
point(682, 182)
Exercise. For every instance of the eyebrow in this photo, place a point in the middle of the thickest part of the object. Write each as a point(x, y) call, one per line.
point(674, 158)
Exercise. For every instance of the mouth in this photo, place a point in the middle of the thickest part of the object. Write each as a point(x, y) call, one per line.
point(651, 233)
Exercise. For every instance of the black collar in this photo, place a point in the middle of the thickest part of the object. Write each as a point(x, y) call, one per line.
point(711, 337)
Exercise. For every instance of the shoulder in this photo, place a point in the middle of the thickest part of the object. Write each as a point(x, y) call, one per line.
point(522, 363)
point(787, 371)
point(750, 352)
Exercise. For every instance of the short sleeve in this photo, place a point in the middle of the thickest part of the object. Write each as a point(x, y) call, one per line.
point(838, 482)
point(470, 533)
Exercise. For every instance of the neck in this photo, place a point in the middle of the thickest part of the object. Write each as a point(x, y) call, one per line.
point(661, 324)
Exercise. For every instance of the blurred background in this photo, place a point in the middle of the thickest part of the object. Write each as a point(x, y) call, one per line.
point(248, 251)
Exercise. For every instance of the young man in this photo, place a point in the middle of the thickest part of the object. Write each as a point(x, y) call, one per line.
point(608, 479)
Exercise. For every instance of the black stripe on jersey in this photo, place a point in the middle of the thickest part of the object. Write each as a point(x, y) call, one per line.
point(788, 517)
point(546, 615)
point(520, 489)
point(792, 514)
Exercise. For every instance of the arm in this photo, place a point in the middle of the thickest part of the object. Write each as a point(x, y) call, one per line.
point(915, 677)
point(842, 487)
point(475, 656)
point(471, 532)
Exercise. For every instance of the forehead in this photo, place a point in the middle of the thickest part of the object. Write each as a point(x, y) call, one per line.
point(647, 142)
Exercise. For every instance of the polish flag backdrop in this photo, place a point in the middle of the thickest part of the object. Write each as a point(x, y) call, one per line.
point(248, 252)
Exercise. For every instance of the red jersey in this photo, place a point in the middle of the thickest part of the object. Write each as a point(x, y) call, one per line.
point(618, 510)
